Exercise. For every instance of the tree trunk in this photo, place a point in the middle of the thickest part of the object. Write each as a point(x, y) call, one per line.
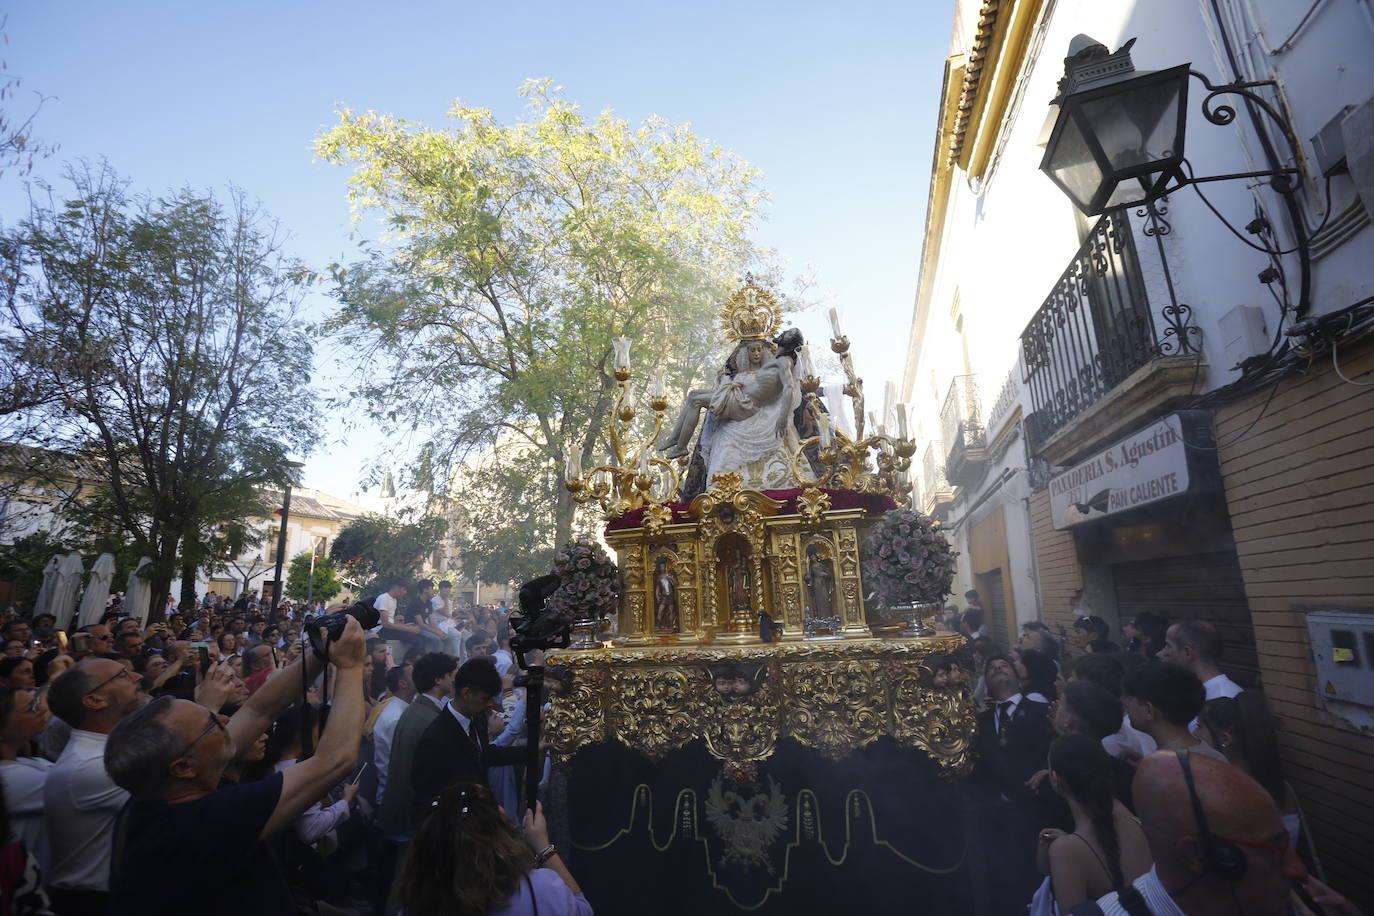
point(163, 567)
point(564, 519)
point(189, 597)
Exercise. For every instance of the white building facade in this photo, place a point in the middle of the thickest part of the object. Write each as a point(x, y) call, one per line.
point(1128, 413)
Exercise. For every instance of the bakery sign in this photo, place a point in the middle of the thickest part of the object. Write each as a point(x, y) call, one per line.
point(1146, 467)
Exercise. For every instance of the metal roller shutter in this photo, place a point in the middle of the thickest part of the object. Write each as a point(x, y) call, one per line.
point(1204, 586)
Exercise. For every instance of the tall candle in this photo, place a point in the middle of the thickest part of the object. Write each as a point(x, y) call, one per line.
point(807, 368)
point(660, 387)
point(823, 424)
point(835, 324)
point(901, 421)
point(572, 468)
point(622, 352)
point(644, 461)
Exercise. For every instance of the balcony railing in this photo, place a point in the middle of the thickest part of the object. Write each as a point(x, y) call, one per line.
point(961, 422)
point(1096, 327)
point(935, 489)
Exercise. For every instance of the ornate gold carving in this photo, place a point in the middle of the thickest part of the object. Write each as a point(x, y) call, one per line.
point(835, 697)
point(655, 517)
point(812, 505)
point(656, 707)
point(843, 705)
point(725, 487)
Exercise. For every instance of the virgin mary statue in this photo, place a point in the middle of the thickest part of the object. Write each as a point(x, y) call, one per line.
point(750, 428)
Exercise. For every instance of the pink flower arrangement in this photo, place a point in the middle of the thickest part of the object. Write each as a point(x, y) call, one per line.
point(907, 559)
point(589, 584)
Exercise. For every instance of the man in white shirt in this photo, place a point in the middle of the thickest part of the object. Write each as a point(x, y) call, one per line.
point(387, 604)
point(1196, 645)
point(402, 689)
point(80, 799)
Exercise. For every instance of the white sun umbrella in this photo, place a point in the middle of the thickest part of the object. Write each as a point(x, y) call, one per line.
point(97, 594)
point(64, 591)
point(40, 605)
point(138, 592)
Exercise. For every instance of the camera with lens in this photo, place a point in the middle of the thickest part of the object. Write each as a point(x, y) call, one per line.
point(537, 627)
point(321, 631)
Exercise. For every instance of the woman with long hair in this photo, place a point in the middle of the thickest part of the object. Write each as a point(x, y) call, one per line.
point(1242, 729)
point(467, 860)
point(1107, 849)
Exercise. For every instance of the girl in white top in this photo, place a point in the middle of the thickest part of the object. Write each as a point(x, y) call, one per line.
point(23, 716)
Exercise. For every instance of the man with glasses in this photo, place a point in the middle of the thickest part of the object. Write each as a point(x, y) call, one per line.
point(170, 756)
point(80, 801)
point(1218, 845)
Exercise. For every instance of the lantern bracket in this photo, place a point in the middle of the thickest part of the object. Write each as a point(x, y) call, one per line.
point(1285, 181)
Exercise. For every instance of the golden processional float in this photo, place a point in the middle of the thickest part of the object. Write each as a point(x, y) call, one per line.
point(742, 615)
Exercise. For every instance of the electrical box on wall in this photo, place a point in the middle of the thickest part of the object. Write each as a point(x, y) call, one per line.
point(1343, 649)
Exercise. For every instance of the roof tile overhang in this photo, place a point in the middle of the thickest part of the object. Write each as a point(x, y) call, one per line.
point(973, 74)
point(1001, 43)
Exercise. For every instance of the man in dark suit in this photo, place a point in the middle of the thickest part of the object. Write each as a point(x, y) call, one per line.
point(1014, 735)
point(455, 747)
point(433, 675)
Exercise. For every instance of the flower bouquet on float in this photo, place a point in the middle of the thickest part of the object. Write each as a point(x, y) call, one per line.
point(588, 589)
point(909, 564)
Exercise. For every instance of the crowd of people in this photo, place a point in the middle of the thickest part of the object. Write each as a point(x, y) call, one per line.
point(215, 761)
point(217, 749)
point(1130, 777)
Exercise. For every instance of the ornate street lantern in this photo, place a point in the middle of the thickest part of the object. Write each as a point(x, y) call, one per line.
point(1118, 139)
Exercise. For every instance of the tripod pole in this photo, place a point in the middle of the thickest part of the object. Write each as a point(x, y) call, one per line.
point(534, 711)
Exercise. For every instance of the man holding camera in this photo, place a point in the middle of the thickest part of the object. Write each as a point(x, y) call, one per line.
point(170, 756)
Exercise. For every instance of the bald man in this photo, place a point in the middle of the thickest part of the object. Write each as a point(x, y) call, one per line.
point(1238, 812)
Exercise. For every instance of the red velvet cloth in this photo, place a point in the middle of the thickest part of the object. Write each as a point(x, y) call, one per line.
point(873, 503)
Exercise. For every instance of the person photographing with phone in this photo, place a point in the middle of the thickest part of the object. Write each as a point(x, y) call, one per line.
point(170, 756)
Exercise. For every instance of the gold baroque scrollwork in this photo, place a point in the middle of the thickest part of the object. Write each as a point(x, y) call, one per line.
point(655, 518)
point(656, 709)
point(836, 707)
point(811, 505)
point(835, 697)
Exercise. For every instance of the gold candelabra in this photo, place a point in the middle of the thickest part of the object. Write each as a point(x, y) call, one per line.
point(631, 478)
point(846, 461)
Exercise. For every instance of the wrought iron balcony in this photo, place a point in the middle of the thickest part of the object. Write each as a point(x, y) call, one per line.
point(961, 422)
point(936, 493)
point(1096, 331)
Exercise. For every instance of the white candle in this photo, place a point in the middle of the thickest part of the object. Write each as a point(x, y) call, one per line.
point(808, 370)
point(622, 352)
point(644, 461)
point(823, 425)
point(572, 469)
point(660, 387)
point(629, 402)
point(872, 419)
point(835, 324)
point(901, 421)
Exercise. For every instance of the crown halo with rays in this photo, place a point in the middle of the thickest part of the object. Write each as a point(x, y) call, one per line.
point(752, 313)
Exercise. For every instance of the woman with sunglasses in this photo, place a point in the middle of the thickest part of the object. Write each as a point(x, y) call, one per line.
point(23, 715)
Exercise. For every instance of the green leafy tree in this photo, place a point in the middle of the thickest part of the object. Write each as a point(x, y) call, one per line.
point(23, 561)
point(515, 254)
point(298, 579)
point(172, 326)
point(373, 546)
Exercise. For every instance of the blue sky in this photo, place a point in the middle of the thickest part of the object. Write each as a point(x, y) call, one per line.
point(834, 102)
